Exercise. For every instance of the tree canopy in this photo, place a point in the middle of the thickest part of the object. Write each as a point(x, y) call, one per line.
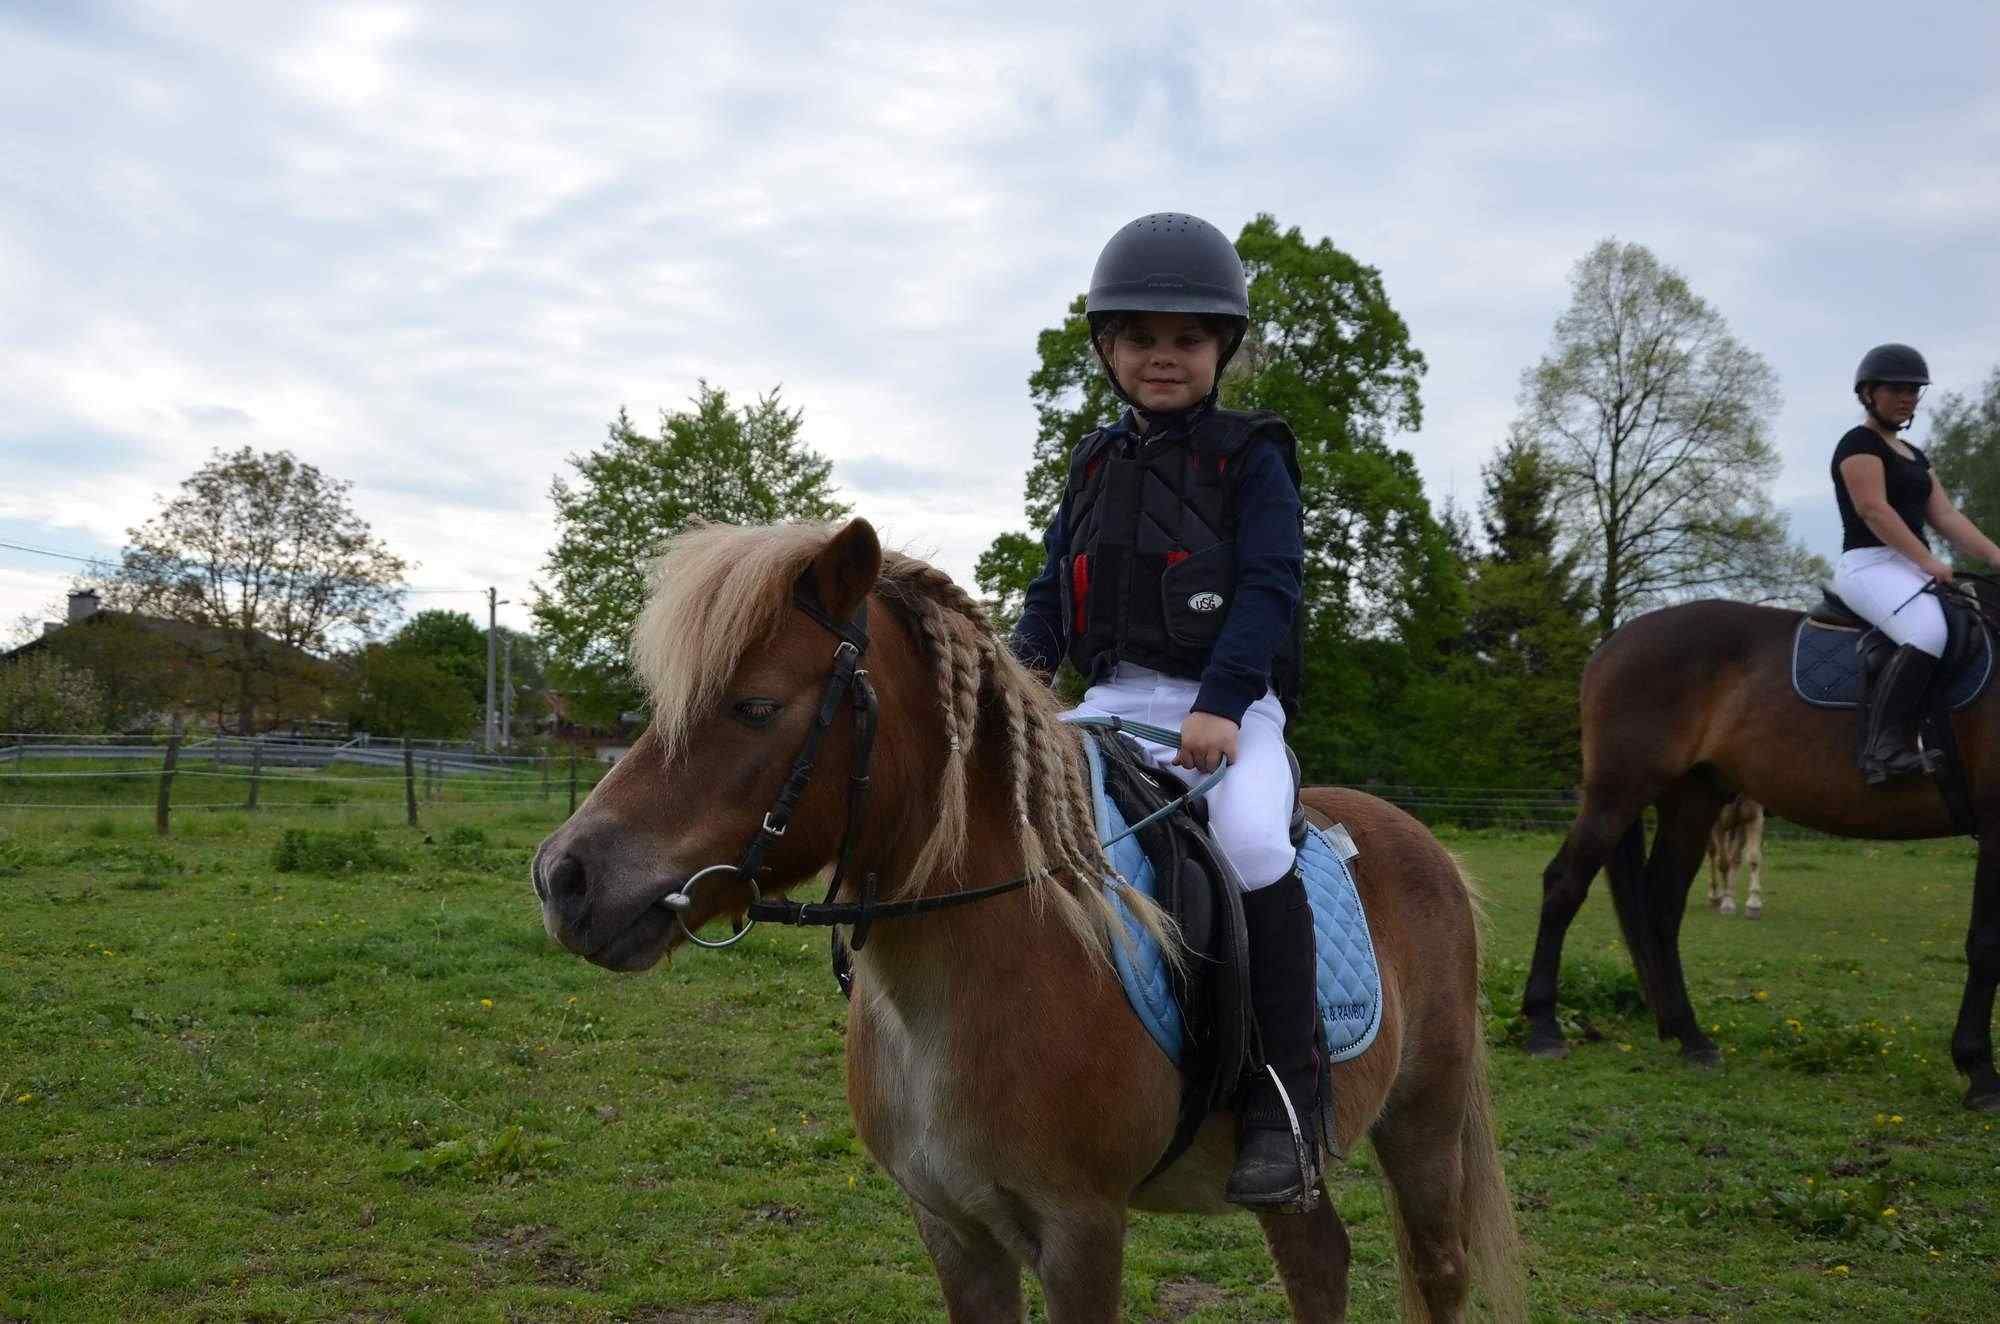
point(711, 461)
point(267, 557)
point(1654, 418)
point(1965, 448)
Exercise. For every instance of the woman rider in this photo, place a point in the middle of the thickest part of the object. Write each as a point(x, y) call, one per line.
point(1887, 496)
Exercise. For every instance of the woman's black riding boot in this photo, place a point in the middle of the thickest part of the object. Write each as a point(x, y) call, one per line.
point(1889, 747)
point(1277, 1158)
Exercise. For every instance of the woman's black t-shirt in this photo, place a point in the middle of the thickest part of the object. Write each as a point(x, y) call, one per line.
point(1907, 484)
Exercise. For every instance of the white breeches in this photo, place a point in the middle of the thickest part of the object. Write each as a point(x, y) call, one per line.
point(1250, 809)
point(1884, 586)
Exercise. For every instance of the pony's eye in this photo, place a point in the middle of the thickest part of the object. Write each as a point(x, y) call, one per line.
point(755, 712)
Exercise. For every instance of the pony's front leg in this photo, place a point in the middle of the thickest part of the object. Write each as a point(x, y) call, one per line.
point(1081, 1263)
point(981, 1281)
point(1313, 1252)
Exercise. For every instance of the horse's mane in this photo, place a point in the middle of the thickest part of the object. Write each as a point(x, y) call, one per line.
point(721, 591)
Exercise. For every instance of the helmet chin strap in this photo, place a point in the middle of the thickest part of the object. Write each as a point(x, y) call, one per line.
point(1867, 394)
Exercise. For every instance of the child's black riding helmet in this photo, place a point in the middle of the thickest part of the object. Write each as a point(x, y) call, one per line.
point(1170, 262)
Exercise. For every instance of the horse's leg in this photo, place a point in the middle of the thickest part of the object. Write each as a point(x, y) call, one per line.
point(1721, 871)
point(1312, 1253)
point(1687, 814)
point(981, 1281)
point(1753, 863)
point(1420, 1149)
point(1972, 1041)
point(1606, 832)
point(1081, 1263)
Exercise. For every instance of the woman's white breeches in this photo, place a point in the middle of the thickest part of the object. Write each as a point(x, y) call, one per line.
point(1886, 587)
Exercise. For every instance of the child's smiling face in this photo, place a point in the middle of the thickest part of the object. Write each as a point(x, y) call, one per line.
point(1165, 361)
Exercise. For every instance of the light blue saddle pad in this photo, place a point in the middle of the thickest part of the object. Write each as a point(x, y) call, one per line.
point(1350, 983)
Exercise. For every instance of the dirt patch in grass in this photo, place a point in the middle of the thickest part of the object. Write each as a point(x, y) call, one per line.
point(1184, 1296)
point(720, 1314)
point(539, 1251)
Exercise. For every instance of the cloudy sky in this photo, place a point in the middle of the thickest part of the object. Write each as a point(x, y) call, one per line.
point(432, 249)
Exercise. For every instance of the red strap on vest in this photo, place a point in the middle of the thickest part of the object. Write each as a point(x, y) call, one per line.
point(1079, 579)
point(1175, 558)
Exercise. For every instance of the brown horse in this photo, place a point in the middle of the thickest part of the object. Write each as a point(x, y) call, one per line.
point(1686, 706)
point(994, 1066)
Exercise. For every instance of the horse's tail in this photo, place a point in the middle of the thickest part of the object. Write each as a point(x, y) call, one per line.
point(1627, 871)
point(1493, 1258)
point(1494, 1265)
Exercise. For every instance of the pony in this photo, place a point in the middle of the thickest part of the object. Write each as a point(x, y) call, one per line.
point(1736, 843)
point(1689, 705)
point(995, 1068)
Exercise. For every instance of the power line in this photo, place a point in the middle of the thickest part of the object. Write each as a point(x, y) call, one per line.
point(64, 556)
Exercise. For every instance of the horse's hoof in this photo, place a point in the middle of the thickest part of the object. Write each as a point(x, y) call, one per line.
point(1549, 1045)
point(1988, 1102)
point(1753, 912)
point(1705, 1057)
point(1726, 906)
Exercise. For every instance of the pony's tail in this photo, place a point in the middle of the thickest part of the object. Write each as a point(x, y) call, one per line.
point(1493, 1259)
point(1495, 1268)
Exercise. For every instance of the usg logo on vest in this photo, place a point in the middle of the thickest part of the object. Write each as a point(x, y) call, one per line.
point(1205, 602)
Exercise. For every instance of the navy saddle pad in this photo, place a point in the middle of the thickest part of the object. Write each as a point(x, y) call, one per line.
point(1826, 668)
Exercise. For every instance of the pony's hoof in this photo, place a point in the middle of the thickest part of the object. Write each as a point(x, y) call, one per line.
point(1727, 906)
point(1988, 1102)
point(1703, 1057)
point(1550, 1048)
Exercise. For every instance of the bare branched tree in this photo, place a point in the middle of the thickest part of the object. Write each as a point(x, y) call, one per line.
point(1654, 417)
point(268, 557)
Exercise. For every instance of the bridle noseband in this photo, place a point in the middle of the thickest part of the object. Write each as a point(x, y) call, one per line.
point(848, 682)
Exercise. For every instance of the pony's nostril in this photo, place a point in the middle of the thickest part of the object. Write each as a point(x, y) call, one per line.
point(567, 879)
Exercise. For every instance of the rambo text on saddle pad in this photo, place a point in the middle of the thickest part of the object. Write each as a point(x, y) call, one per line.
point(1350, 982)
point(1826, 668)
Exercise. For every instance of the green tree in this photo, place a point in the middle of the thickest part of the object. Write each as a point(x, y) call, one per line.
point(1327, 350)
point(1528, 630)
point(265, 556)
point(713, 461)
point(1654, 418)
point(1965, 447)
point(405, 692)
point(452, 642)
point(42, 692)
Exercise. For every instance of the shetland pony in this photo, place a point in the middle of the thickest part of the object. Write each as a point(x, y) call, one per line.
point(994, 1066)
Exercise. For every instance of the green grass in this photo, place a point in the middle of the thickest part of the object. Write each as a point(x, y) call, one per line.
point(377, 1091)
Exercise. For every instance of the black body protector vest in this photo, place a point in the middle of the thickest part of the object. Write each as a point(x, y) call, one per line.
point(1151, 571)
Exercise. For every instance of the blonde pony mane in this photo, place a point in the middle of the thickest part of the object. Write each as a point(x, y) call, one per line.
point(720, 591)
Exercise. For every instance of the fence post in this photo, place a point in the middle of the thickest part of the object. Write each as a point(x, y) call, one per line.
point(547, 758)
point(409, 781)
point(256, 771)
point(167, 776)
point(572, 780)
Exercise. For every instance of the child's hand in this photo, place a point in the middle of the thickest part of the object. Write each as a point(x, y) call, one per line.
point(1205, 741)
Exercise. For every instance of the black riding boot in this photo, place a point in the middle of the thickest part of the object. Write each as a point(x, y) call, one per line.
point(1277, 1157)
point(1889, 746)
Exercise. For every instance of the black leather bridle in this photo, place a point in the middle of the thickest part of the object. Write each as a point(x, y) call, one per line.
point(847, 683)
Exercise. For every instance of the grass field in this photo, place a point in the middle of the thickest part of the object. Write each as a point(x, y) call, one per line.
point(367, 1087)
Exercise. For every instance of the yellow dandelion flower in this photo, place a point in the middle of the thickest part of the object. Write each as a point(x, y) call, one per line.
point(1895, 1119)
point(24, 1098)
point(1890, 1212)
point(570, 1001)
point(1837, 1271)
point(1881, 1119)
point(1761, 996)
point(850, 1186)
point(486, 1002)
point(1809, 1181)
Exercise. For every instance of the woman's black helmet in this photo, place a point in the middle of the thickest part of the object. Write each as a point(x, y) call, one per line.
point(1892, 363)
point(1170, 262)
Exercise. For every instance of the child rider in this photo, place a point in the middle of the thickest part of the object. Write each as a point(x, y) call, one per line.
point(1173, 584)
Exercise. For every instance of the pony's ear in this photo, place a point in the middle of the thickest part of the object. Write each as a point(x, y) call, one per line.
point(847, 568)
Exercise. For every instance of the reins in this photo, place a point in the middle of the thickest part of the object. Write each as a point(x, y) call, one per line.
point(848, 682)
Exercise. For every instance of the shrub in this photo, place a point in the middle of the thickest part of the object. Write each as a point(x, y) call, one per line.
point(314, 850)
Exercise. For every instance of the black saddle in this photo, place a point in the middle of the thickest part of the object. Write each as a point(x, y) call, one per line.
point(1199, 889)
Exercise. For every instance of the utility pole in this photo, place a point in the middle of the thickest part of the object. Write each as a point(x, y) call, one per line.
point(493, 603)
point(507, 692)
